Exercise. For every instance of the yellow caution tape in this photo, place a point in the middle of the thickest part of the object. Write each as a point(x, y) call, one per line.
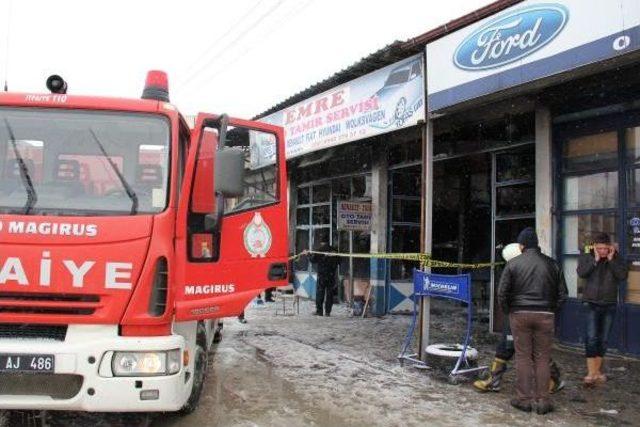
point(425, 260)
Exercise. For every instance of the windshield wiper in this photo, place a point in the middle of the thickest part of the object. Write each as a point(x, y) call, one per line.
point(32, 197)
point(127, 188)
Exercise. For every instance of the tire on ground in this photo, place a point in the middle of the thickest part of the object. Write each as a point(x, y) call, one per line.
point(444, 356)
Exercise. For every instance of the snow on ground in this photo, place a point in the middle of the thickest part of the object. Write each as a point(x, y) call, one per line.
point(343, 371)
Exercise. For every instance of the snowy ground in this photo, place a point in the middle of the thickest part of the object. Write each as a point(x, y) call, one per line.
point(343, 371)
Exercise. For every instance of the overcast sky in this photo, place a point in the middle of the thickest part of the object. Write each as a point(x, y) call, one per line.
point(240, 57)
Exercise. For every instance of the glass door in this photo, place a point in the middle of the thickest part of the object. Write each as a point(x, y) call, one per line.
point(404, 234)
point(513, 209)
point(590, 202)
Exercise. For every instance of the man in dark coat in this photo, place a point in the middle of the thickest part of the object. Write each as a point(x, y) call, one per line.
point(532, 289)
point(326, 268)
point(603, 271)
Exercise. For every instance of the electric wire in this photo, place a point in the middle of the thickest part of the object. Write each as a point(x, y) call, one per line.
point(210, 48)
point(242, 35)
point(224, 66)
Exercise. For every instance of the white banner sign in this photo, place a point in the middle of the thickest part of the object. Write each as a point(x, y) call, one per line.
point(527, 42)
point(354, 216)
point(387, 99)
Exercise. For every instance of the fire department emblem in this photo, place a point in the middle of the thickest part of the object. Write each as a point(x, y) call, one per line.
point(257, 237)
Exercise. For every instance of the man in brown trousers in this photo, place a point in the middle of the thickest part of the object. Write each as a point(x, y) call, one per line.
point(532, 289)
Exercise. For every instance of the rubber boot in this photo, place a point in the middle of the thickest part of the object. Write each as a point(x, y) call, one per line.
point(498, 368)
point(600, 378)
point(555, 382)
point(590, 379)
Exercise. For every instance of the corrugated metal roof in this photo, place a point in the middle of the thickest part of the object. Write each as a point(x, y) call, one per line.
point(389, 54)
point(394, 52)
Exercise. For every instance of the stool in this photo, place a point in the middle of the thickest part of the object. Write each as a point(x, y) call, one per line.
point(286, 299)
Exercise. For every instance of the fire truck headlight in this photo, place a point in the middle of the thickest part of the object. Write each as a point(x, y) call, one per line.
point(173, 361)
point(149, 363)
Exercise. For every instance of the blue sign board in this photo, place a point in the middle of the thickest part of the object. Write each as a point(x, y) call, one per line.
point(511, 37)
point(442, 286)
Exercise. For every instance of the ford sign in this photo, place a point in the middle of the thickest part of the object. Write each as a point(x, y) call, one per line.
point(511, 37)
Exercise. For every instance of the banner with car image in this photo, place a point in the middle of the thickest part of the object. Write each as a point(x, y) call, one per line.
point(385, 100)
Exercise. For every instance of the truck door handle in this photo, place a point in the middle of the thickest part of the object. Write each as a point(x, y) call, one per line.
point(278, 271)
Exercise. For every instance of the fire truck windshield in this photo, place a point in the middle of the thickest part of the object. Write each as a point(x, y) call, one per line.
point(75, 162)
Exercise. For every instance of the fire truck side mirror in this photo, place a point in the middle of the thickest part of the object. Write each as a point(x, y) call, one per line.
point(229, 172)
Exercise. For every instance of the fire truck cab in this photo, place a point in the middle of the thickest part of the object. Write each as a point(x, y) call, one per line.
point(124, 236)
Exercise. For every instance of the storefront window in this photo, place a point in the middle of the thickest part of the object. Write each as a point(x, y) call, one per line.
point(632, 137)
point(303, 196)
point(321, 215)
point(405, 219)
point(405, 152)
point(594, 191)
point(406, 210)
point(302, 216)
point(633, 283)
point(575, 285)
point(515, 166)
point(302, 243)
point(407, 184)
point(578, 230)
point(455, 140)
point(591, 152)
point(405, 239)
point(362, 187)
point(361, 245)
point(321, 193)
point(515, 199)
point(341, 188)
point(633, 187)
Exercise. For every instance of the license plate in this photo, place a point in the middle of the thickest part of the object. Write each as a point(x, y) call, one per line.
point(27, 363)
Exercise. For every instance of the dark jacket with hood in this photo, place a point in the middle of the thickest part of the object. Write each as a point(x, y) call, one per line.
point(602, 278)
point(532, 282)
point(326, 265)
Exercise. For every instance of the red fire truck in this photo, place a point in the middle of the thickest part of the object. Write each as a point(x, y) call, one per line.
point(124, 235)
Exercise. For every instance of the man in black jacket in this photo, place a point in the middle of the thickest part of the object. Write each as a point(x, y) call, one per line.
point(532, 289)
point(326, 267)
point(603, 270)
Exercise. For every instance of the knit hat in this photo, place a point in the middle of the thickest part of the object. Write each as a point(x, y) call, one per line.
point(528, 238)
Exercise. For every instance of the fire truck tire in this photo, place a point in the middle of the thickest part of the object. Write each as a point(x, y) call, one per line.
point(199, 376)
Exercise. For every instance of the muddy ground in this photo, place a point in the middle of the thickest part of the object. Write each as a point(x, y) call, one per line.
point(343, 371)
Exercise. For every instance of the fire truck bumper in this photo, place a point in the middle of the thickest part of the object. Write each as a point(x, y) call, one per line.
point(83, 378)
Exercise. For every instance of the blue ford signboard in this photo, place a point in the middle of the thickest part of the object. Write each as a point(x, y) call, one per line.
point(443, 286)
point(511, 37)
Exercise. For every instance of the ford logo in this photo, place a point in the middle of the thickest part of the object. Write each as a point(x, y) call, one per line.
point(511, 37)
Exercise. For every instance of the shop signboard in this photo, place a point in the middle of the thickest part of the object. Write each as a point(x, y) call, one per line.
point(528, 42)
point(385, 100)
point(354, 216)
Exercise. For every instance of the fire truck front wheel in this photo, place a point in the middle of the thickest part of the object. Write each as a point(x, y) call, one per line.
point(200, 364)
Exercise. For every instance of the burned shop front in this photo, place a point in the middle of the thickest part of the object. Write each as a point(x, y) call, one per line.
point(533, 119)
point(354, 154)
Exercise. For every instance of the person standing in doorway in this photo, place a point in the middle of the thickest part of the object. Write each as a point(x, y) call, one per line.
point(603, 270)
point(532, 288)
point(326, 268)
point(505, 349)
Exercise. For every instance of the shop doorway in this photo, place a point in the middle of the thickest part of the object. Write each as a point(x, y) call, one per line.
point(598, 183)
point(481, 202)
point(405, 186)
